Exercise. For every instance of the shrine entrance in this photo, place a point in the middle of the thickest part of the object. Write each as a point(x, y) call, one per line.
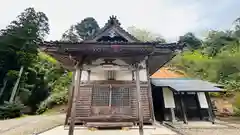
point(111, 100)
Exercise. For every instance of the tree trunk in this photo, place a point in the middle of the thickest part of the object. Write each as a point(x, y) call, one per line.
point(14, 91)
point(3, 88)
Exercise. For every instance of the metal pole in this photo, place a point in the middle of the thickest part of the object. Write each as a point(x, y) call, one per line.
point(75, 95)
point(140, 112)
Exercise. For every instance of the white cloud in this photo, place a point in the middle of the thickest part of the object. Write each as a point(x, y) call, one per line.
point(170, 18)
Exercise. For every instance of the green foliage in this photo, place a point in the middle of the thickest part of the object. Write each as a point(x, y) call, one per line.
point(11, 110)
point(236, 112)
point(18, 48)
point(237, 101)
point(215, 94)
point(191, 41)
point(88, 27)
point(217, 60)
point(59, 93)
point(71, 35)
point(144, 35)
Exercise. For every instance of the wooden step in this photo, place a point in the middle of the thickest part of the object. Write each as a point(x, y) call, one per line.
point(109, 124)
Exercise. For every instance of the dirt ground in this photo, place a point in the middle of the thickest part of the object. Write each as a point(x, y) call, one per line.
point(35, 124)
point(30, 124)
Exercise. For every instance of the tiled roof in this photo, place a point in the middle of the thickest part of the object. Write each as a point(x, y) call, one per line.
point(167, 74)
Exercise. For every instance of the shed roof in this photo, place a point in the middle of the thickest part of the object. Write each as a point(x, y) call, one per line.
point(187, 85)
point(167, 73)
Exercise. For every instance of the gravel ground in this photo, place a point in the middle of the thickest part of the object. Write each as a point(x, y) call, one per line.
point(220, 128)
point(35, 124)
point(30, 124)
point(226, 131)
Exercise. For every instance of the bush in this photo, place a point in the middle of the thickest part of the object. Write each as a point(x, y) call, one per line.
point(11, 110)
point(215, 94)
point(236, 112)
point(237, 101)
point(54, 99)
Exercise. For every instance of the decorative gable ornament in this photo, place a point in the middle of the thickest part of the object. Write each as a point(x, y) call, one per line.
point(111, 33)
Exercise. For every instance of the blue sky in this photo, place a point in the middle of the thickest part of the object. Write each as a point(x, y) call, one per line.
point(170, 18)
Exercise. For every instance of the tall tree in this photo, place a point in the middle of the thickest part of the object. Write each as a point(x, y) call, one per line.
point(216, 40)
point(20, 39)
point(87, 28)
point(144, 35)
point(71, 35)
point(191, 41)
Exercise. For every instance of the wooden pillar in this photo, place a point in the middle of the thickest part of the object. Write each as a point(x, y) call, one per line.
point(140, 111)
point(75, 95)
point(150, 98)
point(210, 110)
point(133, 77)
point(70, 97)
point(89, 74)
point(198, 106)
point(183, 108)
point(173, 115)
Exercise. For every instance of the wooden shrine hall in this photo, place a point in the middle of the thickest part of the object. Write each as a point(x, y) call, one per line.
point(111, 84)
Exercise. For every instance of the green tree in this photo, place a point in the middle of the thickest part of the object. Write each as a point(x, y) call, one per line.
point(191, 41)
point(71, 35)
point(87, 28)
point(216, 40)
point(146, 36)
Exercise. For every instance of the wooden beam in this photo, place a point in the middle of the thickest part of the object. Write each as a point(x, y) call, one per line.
point(210, 110)
point(140, 111)
point(150, 98)
point(75, 95)
point(183, 109)
point(70, 97)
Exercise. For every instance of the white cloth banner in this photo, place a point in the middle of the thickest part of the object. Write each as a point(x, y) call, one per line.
point(202, 100)
point(168, 98)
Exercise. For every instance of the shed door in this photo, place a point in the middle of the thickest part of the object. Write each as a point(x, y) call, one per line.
point(111, 100)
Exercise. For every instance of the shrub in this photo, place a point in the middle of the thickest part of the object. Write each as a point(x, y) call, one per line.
point(11, 110)
point(237, 101)
point(54, 99)
point(236, 112)
point(215, 94)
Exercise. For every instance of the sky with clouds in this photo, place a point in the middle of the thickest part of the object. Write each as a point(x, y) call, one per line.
point(170, 18)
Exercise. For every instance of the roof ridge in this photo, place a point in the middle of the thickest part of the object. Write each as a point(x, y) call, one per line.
point(113, 21)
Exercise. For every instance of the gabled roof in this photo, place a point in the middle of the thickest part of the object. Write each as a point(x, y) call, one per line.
point(113, 25)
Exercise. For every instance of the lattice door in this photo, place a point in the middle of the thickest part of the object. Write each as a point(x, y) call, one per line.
point(111, 100)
